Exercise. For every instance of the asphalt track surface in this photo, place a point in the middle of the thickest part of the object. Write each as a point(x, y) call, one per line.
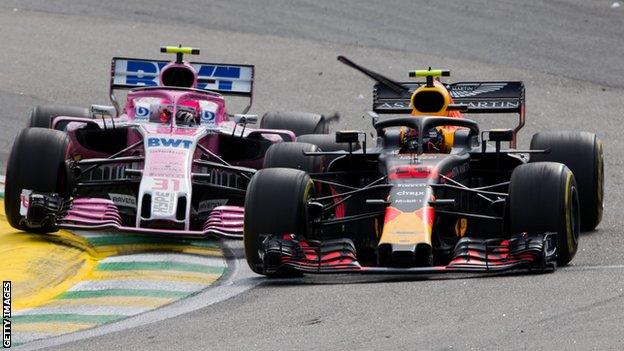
point(568, 52)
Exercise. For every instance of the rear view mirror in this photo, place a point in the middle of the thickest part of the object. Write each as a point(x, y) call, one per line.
point(350, 136)
point(500, 134)
point(102, 110)
point(245, 119)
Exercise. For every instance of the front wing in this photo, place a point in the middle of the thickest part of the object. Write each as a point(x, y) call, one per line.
point(521, 252)
point(103, 214)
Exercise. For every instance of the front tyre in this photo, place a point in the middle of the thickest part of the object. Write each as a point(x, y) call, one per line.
point(275, 204)
point(36, 163)
point(544, 198)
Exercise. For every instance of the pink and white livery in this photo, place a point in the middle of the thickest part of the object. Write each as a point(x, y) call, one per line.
point(171, 161)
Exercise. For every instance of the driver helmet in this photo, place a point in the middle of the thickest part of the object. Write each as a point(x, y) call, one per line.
point(433, 140)
point(188, 114)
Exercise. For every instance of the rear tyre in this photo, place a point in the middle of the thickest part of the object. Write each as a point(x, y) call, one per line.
point(327, 143)
point(291, 155)
point(299, 123)
point(42, 116)
point(37, 163)
point(544, 198)
point(582, 153)
point(274, 205)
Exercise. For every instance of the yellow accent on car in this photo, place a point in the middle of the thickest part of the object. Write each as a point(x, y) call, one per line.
point(436, 100)
point(460, 227)
point(428, 73)
point(179, 50)
point(406, 228)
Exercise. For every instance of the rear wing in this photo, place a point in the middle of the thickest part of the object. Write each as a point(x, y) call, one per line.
point(475, 97)
point(226, 79)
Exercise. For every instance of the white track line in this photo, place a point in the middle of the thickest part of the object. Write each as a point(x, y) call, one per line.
point(167, 257)
point(593, 268)
point(85, 310)
point(96, 285)
point(25, 336)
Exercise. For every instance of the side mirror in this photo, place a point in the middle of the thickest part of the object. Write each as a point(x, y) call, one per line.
point(350, 136)
point(102, 110)
point(497, 136)
point(500, 135)
point(240, 118)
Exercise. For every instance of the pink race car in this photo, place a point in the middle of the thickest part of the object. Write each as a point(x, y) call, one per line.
point(171, 161)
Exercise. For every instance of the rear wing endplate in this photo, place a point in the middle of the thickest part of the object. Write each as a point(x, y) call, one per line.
point(226, 79)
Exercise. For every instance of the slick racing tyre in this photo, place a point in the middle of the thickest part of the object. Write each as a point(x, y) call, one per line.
point(299, 123)
point(544, 198)
point(42, 116)
point(274, 205)
point(291, 155)
point(327, 143)
point(37, 163)
point(582, 153)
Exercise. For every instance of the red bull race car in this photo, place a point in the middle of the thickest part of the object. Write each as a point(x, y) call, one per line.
point(171, 161)
point(431, 193)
